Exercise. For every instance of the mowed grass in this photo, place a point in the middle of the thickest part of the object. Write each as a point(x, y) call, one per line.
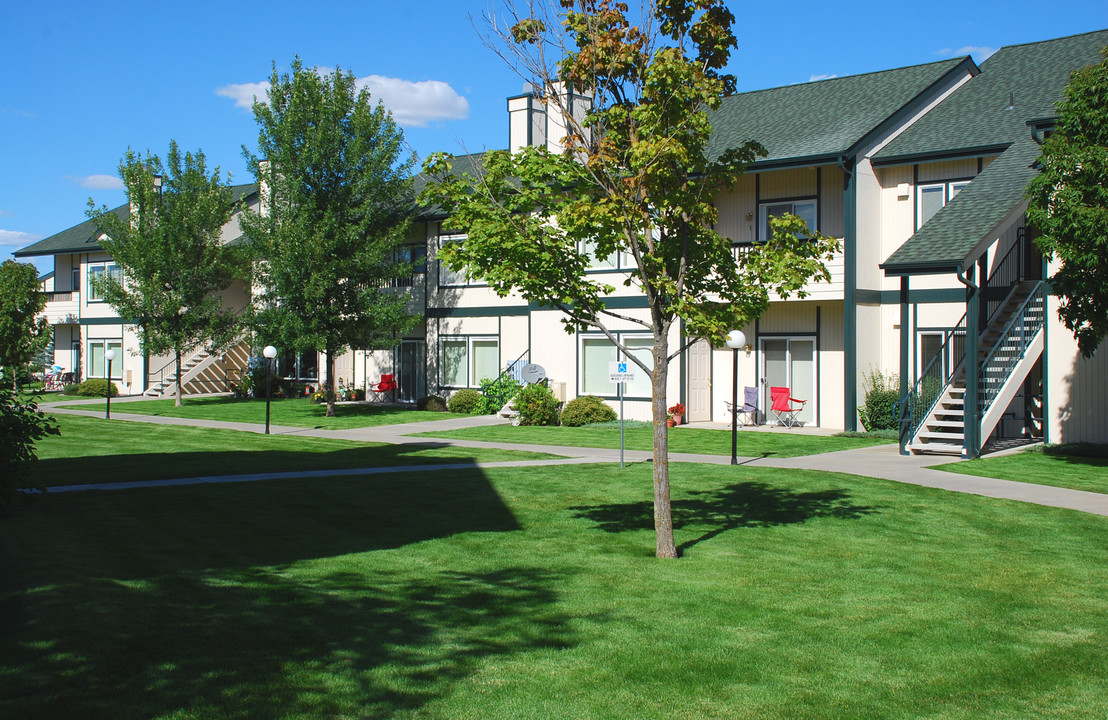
point(94, 450)
point(1078, 467)
point(534, 594)
point(294, 412)
point(681, 440)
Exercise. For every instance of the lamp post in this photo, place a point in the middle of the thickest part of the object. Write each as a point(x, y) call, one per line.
point(109, 356)
point(269, 352)
point(735, 340)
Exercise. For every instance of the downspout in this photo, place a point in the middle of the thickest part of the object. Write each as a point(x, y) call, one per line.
point(971, 446)
point(850, 310)
point(905, 322)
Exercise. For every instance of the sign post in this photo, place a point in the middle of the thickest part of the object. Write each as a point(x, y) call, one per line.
point(620, 372)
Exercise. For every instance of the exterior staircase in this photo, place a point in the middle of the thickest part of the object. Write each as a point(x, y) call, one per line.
point(1007, 351)
point(202, 372)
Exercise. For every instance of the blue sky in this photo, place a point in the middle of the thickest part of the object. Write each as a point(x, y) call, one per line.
point(85, 81)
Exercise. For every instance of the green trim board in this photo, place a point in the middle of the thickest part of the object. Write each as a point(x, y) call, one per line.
point(924, 296)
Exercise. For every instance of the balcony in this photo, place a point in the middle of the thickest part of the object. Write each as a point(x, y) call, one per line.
point(62, 308)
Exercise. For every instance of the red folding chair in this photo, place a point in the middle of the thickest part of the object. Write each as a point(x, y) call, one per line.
point(783, 407)
point(386, 384)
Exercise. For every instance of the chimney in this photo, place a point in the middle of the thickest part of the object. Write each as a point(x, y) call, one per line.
point(534, 118)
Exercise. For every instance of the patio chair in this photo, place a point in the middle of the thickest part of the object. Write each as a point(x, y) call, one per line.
point(784, 407)
point(748, 412)
point(387, 383)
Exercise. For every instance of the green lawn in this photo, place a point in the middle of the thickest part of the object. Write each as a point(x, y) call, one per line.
point(295, 412)
point(681, 440)
point(93, 450)
point(533, 593)
point(1078, 468)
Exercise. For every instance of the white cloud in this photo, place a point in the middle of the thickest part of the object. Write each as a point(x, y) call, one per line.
point(814, 78)
point(413, 104)
point(244, 93)
point(980, 53)
point(98, 182)
point(16, 240)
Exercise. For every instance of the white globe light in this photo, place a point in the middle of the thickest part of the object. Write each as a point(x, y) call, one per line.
point(110, 355)
point(736, 339)
point(270, 352)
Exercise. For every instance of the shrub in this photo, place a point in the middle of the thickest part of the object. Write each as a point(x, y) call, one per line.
point(21, 424)
point(882, 392)
point(494, 394)
point(466, 401)
point(586, 410)
point(95, 387)
point(431, 403)
point(536, 405)
point(71, 389)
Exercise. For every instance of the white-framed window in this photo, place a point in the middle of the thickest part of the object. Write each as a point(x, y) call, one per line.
point(936, 345)
point(452, 278)
point(805, 208)
point(597, 351)
point(466, 360)
point(417, 256)
point(97, 270)
point(98, 364)
point(932, 197)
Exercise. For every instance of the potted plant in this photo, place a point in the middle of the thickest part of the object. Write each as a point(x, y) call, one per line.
point(677, 412)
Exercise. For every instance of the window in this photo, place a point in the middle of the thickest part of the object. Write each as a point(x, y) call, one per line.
point(98, 270)
point(466, 361)
point(597, 351)
point(933, 197)
point(931, 348)
point(417, 256)
point(98, 364)
point(299, 366)
point(448, 277)
point(805, 209)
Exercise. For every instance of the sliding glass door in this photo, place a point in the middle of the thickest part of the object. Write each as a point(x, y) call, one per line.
point(790, 362)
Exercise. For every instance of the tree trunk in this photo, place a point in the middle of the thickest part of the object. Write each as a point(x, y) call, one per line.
point(330, 385)
point(180, 380)
point(663, 510)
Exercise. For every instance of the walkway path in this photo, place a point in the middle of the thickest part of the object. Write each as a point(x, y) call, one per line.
point(881, 461)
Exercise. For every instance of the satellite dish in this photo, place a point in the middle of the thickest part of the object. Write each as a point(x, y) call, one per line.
point(533, 373)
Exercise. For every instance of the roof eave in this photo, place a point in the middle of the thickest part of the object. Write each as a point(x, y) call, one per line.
point(935, 155)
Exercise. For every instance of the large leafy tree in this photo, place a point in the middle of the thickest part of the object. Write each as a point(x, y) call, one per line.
point(169, 247)
point(23, 333)
point(336, 187)
point(636, 177)
point(1069, 204)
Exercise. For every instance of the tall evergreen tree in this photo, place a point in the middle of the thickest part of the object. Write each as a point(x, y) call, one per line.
point(336, 195)
point(169, 247)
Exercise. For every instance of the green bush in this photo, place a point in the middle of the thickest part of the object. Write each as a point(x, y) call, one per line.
point(432, 403)
point(882, 392)
point(586, 410)
point(21, 424)
point(95, 387)
point(494, 395)
point(466, 401)
point(71, 389)
point(536, 405)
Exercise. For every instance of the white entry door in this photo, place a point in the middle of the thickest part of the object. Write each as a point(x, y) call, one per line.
point(700, 381)
point(790, 362)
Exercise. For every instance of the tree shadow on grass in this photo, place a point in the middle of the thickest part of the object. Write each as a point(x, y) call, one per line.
point(260, 600)
point(740, 505)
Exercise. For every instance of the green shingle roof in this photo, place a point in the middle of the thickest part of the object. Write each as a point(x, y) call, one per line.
point(84, 237)
point(949, 241)
point(1030, 77)
point(823, 119)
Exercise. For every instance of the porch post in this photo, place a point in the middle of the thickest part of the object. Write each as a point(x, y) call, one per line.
point(906, 402)
point(971, 419)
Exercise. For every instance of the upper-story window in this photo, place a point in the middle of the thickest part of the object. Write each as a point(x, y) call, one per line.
point(99, 270)
point(453, 278)
point(931, 198)
point(417, 256)
point(805, 208)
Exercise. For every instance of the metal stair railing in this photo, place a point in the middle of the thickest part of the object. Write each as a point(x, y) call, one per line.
point(916, 406)
point(1007, 273)
point(513, 370)
point(1010, 347)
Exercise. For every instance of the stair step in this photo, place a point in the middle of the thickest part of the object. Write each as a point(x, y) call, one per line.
point(936, 448)
point(944, 424)
point(943, 436)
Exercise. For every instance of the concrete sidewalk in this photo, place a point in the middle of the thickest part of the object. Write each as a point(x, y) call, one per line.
point(881, 461)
